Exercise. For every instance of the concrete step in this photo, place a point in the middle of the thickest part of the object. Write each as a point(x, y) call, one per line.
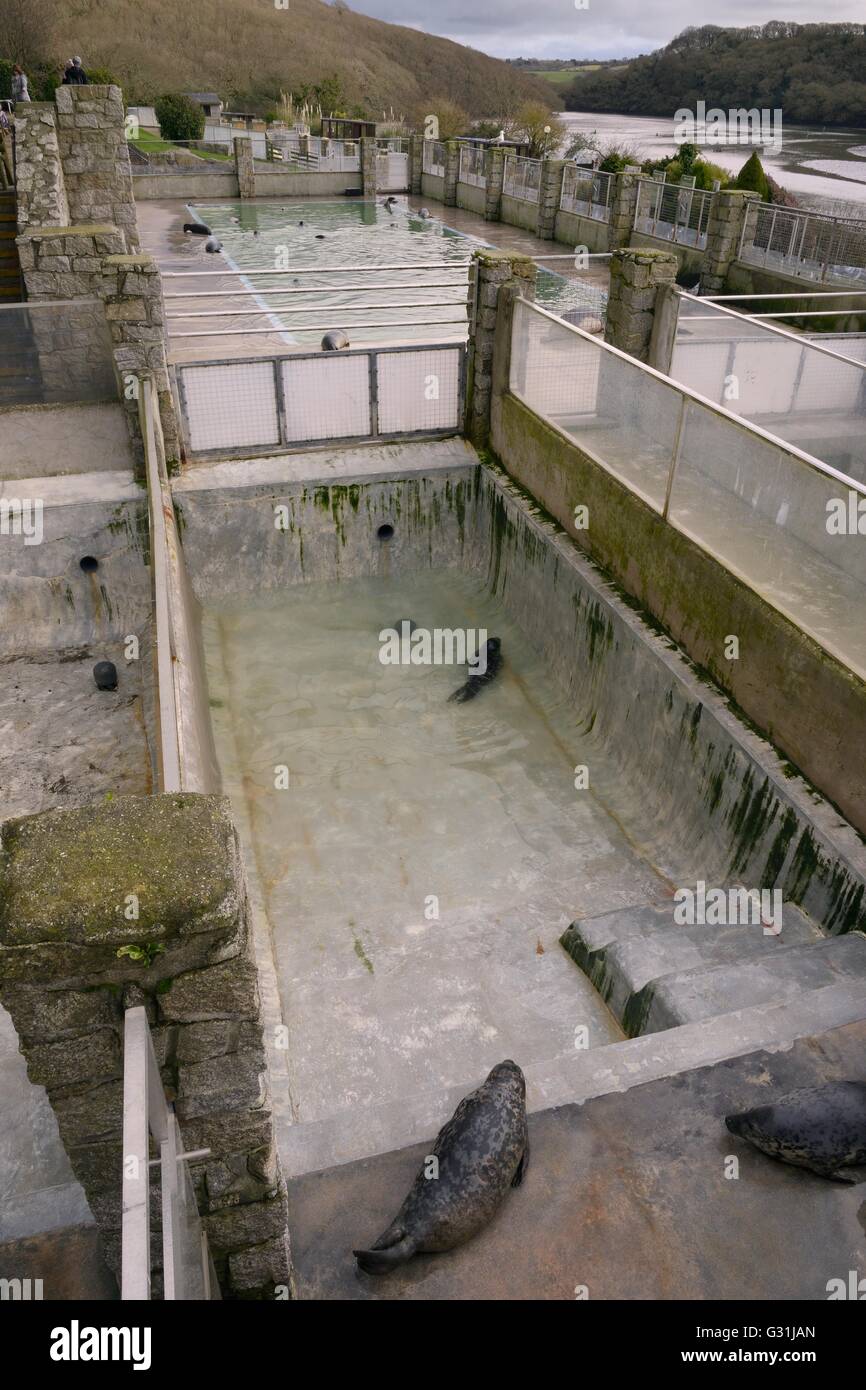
point(690, 996)
point(624, 951)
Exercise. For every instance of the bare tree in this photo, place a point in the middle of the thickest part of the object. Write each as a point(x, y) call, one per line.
point(27, 29)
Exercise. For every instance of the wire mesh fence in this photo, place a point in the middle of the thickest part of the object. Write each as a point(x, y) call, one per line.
point(471, 168)
point(433, 158)
point(521, 178)
point(827, 249)
point(673, 212)
point(587, 192)
point(771, 513)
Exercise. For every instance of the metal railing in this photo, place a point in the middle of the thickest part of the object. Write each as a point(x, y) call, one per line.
point(443, 292)
point(763, 507)
point(188, 1270)
point(244, 406)
point(319, 153)
point(471, 169)
point(808, 244)
point(433, 158)
point(673, 212)
point(587, 192)
point(522, 178)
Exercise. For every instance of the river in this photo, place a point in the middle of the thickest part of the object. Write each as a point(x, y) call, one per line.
point(823, 167)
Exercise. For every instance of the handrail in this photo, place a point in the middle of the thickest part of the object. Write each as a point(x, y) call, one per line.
point(319, 269)
point(815, 463)
point(773, 328)
point(159, 500)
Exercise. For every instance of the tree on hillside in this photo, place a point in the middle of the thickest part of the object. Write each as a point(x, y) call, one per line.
point(27, 29)
point(752, 176)
point(452, 119)
point(179, 117)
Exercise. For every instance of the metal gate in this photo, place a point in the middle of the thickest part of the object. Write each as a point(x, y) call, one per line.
point(393, 172)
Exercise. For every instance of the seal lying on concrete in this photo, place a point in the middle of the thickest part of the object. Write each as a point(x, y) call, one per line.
point(482, 1151)
point(493, 664)
point(822, 1128)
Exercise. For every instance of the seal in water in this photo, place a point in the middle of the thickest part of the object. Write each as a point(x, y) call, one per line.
point(822, 1128)
point(493, 653)
point(105, 675)
point(213, 244)
point(196, 228)
point(482, 1151)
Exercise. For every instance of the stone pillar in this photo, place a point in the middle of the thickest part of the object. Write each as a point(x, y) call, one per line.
point(636, 277)
point(40, 185)
point(622, 209)
point(729, 211)
point(95, 158)
point(369, 166)
point(245, 167)
point(452, 172)
point(549, 194)
point(494, 270)
point(161, 877)
point(494, 174)
point(416, 163)
point(131, 290)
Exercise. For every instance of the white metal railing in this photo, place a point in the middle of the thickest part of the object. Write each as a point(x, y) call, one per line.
point(433, 158)
point(673, 212)
point(319, 153)
point(808, 244)
point(471, 168)
point(159, 504)
point(522, 178)
point(187, 1265)
point(586, 191)
point(764, 508)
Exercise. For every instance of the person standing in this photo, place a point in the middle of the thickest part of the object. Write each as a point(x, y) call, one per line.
point(7, 172)
point(78, 76)
point(19, 84)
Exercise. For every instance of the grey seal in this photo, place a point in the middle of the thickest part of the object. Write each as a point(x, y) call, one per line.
point(483, 1150)
point(477, 682)
point(822, 1128)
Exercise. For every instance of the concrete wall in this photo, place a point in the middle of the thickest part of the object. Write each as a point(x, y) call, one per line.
point(433, 186)
point(470, 196)
point(519, 213)
point(781, 678)
point(575, 230)
point(184, 186)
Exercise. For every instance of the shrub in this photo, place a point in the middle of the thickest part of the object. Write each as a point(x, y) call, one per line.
point(5, 78)
point(752, 176)
point(179, 117)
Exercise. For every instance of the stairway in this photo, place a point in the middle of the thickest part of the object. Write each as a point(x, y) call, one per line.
point(11, 285)
point(655, 974)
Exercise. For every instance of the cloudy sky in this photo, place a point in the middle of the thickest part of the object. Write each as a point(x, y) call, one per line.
point(604, 29)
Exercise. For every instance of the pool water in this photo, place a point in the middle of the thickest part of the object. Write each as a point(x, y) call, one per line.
point(351, 232)
point(425, 856)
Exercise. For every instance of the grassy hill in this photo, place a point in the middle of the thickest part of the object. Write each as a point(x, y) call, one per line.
point(248, 50)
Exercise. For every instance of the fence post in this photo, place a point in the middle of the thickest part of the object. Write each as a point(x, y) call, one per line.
point(728, 217)
point(494, 269)
point(622, 209)
point(416, 163)
point(549, 194)
point(636, 277)
point(369, 166)
point(245, 166)
point(494, 173)
point(452, 173)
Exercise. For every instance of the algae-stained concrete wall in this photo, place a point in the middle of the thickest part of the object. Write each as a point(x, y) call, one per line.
point(695, 789)
point(806, 702)
point(163, 185)
point(472, 197)
point(433, 186)
point(519, 213)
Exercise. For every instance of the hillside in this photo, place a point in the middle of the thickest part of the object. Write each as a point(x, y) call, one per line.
point(248, 50)
point(814, 72)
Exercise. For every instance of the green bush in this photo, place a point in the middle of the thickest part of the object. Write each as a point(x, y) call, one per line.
point(752, 176)
point(5, 78)
point(101, 77)
point(179, 117)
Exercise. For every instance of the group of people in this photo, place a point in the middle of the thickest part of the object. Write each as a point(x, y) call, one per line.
point(73, 74)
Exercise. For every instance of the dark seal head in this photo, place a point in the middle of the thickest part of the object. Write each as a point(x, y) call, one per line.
point(105, 675)
point(481, 1152)
point(822, 1128)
